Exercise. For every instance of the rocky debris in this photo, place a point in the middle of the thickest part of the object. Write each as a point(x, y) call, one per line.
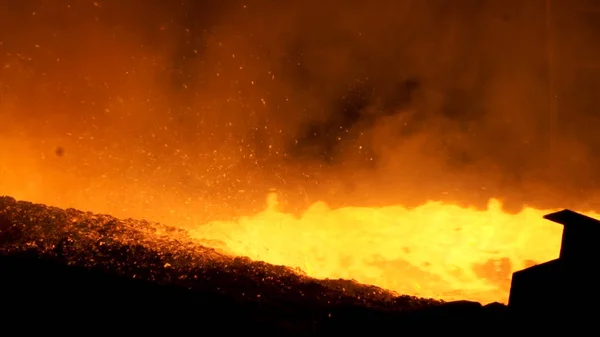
point(52, 255)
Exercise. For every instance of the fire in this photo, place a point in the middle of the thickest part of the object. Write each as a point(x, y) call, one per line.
point(435, 250)
point(145, 114)
point(438, 249)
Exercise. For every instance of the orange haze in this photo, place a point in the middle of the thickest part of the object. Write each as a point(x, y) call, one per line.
point(400, 143)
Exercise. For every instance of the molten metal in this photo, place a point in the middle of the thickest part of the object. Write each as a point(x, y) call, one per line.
point(436, 250)
point(186, 113)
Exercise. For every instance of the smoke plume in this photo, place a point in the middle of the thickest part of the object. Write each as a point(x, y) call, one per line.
point(155, 104)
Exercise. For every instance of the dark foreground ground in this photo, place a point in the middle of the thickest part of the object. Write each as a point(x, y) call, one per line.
point(76, 272)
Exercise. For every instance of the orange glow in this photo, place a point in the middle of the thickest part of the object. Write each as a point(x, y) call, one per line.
point(436, 250)
point(190, 115)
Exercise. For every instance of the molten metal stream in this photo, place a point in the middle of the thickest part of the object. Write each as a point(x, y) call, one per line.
point(435, 250)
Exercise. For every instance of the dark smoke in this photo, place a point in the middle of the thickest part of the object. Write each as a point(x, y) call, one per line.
point(353, 102)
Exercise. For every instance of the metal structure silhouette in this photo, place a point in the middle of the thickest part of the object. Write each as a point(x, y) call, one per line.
point(565, 287)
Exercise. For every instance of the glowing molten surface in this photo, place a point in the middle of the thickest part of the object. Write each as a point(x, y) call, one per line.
point(435, 250)
point(182, 113)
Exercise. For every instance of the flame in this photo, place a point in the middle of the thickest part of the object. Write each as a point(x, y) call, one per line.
point(110, 109)
point(436, 250)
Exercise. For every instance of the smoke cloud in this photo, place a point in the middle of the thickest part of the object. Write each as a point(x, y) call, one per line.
point(215, 102)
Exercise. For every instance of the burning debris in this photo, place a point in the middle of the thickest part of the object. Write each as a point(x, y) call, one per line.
point(71, 258)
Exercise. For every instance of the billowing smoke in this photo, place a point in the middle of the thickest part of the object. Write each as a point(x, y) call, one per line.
point(213, 103)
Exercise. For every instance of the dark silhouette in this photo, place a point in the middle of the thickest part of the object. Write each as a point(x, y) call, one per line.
point(79, 271)
point(565, 288)
point(95, 270)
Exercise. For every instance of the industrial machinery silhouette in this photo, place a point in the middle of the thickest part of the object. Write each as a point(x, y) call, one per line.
point(565, 288)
